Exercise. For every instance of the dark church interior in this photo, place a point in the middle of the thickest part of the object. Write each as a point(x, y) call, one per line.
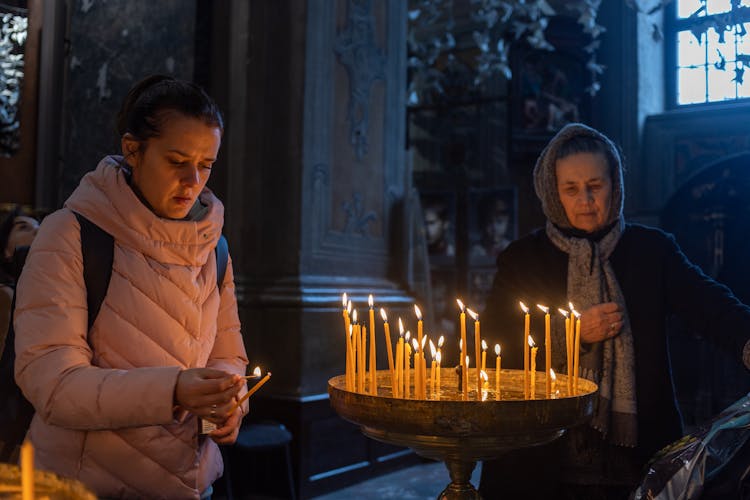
point(387, 148)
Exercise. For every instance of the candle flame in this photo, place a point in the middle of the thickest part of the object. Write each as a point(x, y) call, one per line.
point(524, 308)
point(484, 375)
point(256, 371)
point(424, 341)
point(370, 301)
point(497, 349)
point(439, 357)
point(467, 362)
point(460, 305)
point(460, 344)
point(563, 312)
point(433, 350)
point(415, 343)
point(473, 315)
point(484, 345)
point(383, 315)
point(572, 308)
point(354, 316)
point(531, 342)
point(552, 375)
point(343, 300)
point(441, 340)
point(400, 327)
point(577, 314)
point(408, 335)
point(543, 308)
point(417, 312)
point(349, 307)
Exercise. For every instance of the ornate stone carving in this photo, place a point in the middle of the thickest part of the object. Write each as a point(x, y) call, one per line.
point(364, 63)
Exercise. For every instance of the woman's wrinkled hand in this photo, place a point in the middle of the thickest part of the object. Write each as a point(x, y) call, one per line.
point(601, 322)
point(208, 393)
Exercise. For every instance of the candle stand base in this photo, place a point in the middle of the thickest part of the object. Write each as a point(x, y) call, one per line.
point(460, 431)
point(460, 487)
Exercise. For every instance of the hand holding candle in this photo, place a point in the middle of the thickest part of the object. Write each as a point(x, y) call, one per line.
point(252, 391)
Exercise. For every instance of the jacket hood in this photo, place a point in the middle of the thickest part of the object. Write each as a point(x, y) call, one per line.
point(545, 176)
point(105, 198)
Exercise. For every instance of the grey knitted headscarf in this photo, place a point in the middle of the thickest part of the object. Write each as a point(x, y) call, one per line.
point(592, 281)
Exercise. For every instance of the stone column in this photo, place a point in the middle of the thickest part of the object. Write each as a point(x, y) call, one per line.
point(315, 97)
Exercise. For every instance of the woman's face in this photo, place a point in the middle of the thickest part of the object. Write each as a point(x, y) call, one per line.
point(171, 170)
point(21, 234)
point(585, 189)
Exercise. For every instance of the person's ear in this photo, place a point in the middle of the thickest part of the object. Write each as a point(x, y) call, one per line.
point(130, 147)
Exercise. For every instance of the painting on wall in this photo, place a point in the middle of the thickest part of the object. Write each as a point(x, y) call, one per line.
point(439, 212)
point(492, 223)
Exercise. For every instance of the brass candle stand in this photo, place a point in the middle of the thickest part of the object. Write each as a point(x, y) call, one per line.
point(448, 428)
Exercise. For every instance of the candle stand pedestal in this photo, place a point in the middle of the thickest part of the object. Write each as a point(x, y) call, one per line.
point(460, 431)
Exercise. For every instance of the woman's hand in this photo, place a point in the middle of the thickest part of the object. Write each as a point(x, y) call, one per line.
point(208, 393)
point(228, 431)
point(601, 322)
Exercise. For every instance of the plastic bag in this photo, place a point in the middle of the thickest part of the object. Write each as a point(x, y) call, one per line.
point(713, 462)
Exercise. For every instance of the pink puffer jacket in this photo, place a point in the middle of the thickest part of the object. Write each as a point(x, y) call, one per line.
point(104, 399)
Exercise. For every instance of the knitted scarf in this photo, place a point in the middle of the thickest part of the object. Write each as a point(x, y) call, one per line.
point(591, 281)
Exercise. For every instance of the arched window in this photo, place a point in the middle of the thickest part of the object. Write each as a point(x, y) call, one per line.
point(711, 51)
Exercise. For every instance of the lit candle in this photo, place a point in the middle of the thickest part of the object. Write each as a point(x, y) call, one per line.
point(439, 359)
point(398, 390)
point(373, 354)
point(477, 346)
point(485, 384)
point(498, 363)
point(568, 347)
point(433, 367)
point(467, 363)
point(547, 350)
point(553, 377)
point(388, 346)
point(407, 365)
point(347, 334)
point(576, 351)
point(414, 343)
point(349, 369)
point(363, 333)
point(27, 470)
point(464, 348)
point(484, 355)
point(423, 368)
point(357, 342)
point(419, 374)
point(525, 350)
point(533, 367)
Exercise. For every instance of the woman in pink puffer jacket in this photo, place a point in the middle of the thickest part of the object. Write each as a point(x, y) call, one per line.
point(118, 406)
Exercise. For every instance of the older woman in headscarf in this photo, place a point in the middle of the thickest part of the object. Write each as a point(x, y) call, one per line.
point(626, 279)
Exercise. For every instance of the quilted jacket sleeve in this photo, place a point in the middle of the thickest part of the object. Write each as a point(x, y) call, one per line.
point(53, 358)
point(228, 353)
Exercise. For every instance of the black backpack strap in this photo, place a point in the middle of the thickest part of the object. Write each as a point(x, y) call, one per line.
point(222, 259)
point(97, 251)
